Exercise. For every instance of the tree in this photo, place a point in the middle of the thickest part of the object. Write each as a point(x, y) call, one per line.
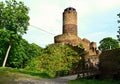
point(4, 38)
point(33, 51)
point(14, 18)
point(108, 44)
point(21, 53)
point(118, 36)
point(54, 59)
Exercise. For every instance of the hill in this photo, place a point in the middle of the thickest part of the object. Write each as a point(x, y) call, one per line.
point(12, 76)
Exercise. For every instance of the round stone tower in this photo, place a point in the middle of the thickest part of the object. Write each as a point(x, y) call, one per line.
point(70, 21)
point(69, 35)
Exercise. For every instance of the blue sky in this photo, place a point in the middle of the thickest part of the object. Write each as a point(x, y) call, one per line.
point(97, 19)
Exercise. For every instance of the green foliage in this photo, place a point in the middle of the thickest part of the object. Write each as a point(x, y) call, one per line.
point(13, 75)
point(108, 43)
point(17, 54)
point(55, 58)
point(33, 50)
point(5, 36)
point(5, 71)
point(14, 16)
point(93, 81)
point(14, 21)
point(21, 52)
point(118, 36)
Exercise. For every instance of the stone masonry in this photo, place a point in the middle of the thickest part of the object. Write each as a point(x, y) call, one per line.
point(69, 35)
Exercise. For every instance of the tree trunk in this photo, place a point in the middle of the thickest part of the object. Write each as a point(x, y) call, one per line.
point(6, 56)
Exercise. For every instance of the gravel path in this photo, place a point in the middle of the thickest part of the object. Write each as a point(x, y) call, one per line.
point(61, 80)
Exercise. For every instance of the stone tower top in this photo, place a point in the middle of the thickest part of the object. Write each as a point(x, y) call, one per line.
point(70, 9)
point(70, 21)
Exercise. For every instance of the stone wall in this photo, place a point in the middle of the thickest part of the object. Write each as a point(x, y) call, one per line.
point(67, 39)
point(69, 16)
point(86, 44)
point(69, 35)
point(70, 29)
point(70, 21)
point(110, 64)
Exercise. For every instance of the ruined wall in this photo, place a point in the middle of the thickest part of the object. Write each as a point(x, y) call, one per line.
point(89, 46)
point(94, 59)
point(86, 44)
point(110, 64)
point(93, 46)
point(67, 39)
point(69, 35)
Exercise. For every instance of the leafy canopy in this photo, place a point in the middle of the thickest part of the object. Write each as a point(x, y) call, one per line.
point(14, 16)
point(14, 21)
point(55, 58)
point(118, 36)
point(21, 53)
point(108, 43)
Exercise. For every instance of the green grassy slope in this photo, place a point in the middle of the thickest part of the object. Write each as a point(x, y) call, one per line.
point(8, 75)
point(90, 81)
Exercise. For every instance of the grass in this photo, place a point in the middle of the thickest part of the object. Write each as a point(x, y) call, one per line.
point(93, 81)
point(8, 75)
point(8, 70)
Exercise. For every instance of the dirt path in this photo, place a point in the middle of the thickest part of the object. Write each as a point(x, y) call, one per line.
point(61, 80)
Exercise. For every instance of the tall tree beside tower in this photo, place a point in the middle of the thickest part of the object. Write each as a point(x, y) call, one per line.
point(118, 36)
point(14, 19)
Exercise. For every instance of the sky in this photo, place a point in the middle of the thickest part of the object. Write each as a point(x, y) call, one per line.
point(97, 19)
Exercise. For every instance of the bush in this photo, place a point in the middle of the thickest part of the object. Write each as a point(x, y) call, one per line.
point(56, 60)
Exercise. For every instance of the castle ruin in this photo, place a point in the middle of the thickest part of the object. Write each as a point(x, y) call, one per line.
point(69, 34)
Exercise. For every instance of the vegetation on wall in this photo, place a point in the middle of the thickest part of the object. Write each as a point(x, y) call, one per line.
point(55, 60)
